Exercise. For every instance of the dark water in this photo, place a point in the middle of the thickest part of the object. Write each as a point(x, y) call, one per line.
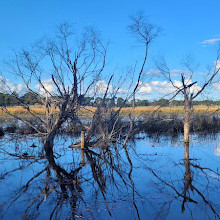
point(152, 178)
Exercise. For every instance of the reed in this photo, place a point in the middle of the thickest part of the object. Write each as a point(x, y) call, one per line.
point(89, 111)
point(140, 110)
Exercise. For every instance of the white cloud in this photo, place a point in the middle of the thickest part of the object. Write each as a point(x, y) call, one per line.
point(216, 67)
point(20, 87)
point(150, 88)
point(177, 72)
point(165, 87)
point(172, 72)
point(217, 64)
point(48, 87)
point(216, 85)
point(162, 87)
point(153, 72)
point(145, 88)
point(210, 41)
point(193, 89)
point(6, 86)
point(101, 87)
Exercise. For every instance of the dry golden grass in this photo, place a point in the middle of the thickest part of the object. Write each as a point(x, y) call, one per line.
point(19, 110)
point(139, 110)
point(88, 111)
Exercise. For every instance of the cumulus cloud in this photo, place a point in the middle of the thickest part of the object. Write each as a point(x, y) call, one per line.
point(48, 87)
point(210, 41)
point(7, 86)
point(149, 88)
point(162, 87)
point(101, 87)
point(195, 88)
point(145, 88)
point(165, 87)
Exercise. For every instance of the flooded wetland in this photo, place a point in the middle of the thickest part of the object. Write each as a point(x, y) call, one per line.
point(117, 123)
point(150, 178)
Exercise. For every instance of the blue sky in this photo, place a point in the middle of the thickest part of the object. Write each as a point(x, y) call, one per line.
point(185, 25)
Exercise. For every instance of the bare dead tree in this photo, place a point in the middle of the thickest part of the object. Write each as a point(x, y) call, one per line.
point(105, 119)
point(145, 33)
point(59, 72)
point(189, 87)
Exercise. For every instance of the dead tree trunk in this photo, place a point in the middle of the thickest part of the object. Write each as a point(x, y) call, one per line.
point(187, 120)
point(48, 144)
point(189, 87)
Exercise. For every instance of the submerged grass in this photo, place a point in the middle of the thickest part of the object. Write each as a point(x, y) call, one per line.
point(168, 124)
point(88, 111)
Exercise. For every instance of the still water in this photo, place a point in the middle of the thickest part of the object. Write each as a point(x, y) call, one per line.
point(151, 178)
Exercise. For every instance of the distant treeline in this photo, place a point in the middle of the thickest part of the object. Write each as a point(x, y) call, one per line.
point(31, 99)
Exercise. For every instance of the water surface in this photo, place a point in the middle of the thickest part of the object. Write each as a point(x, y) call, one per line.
point(150, 178)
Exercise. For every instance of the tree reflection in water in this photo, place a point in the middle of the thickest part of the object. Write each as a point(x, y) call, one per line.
point(193, 192)
point(63, 185)
point(111, 179)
